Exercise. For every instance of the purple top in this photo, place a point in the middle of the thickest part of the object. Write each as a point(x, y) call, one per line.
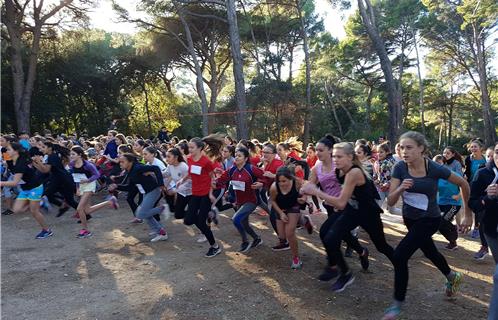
point(328, 181)
point(88, 168)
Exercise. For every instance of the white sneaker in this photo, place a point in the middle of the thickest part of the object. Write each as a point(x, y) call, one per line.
point(159, 237)
point(202, 238)
point(166, 213)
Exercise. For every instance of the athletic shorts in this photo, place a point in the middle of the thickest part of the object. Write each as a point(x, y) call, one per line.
point(88, 187)
point(34, 194)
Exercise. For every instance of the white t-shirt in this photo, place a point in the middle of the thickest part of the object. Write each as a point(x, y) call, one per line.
point(159, 164)
point(176, 173)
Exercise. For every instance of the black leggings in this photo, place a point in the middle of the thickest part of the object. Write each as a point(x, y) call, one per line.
point(198, 209)
point(180, 205)
point(447, 228)
point(67, 190)
point(346, 222)
point(130, 198)
point(479, 216)
point(419, 236)
point(350, 240)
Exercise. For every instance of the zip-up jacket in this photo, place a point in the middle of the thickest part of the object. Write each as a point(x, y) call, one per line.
point(480, 201)
point(136, 176)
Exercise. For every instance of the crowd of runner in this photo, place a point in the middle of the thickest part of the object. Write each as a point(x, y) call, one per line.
point(194, 180)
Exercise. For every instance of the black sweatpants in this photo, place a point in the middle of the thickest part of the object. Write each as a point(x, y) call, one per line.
point(198, 209)
point(447, 228)
point(180, 205)
point(350, 219)
point(66, 189)
point(419, 236)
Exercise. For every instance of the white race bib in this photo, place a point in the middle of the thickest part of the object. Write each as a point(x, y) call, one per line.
point(140, 188)
point(195, 170)
point(77, 177)
point(416, 200)
point(238, 185)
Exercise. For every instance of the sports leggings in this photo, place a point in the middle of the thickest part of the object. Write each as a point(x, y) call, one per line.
point(241, 221)
point(347, 221)
point(198, 209)
point(419, 236)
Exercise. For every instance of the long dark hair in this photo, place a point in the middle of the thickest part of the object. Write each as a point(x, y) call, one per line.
point(23, 153)
point(79, 151)
point(211, 144)
point(285, 171)
point(456, 155)
point(155, 152)
point(61, 151)
point(176, 153)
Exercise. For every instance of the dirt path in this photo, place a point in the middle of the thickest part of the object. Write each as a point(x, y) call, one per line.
point(118, 274)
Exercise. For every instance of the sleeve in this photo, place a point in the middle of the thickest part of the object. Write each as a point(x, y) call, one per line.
point(441, 172)
point(477, 192)
point(156, 170)
point(398, 170)
point(209, 166)
point(19, 168)
point(258, 173)
point(222, 181)
point(184, 169)
point(91, 167)
point(52, 160)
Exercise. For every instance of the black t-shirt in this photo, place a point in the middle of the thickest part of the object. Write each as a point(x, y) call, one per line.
point(30, 176)
point(57, 168)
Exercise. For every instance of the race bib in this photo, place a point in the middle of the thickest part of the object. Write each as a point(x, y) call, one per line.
point(140, 188)
point(195, 169)
point(238, 185)
point(416, 200)
point(77, 177)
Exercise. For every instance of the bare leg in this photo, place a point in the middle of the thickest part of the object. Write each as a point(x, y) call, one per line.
point(82, 206)
point(34, 208)
point(20, 206)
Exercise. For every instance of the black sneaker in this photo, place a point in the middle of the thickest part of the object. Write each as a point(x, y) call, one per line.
point(7, 212)
point(328, 274)
point(245, 246)
point(348, 253)
point(256, 242)
point(307, 224)
point(88, 217)
point(342, 282)
point(62, 211)
point(364, 259)
point(213, 252)
point(281, 246)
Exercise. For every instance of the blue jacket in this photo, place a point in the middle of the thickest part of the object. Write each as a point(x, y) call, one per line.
point(446, 189)
point(111, 149)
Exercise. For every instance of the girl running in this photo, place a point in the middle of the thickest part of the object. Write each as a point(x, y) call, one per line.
point(358, 199)
point(31, 184)
point(148, 180)
point(286, 201)
point(177, 170)
point(85, 175)
point(415, 178)
point(382, 174)
point(449, 199)
point(484, 198)
point(201, 172)
point(242, 177)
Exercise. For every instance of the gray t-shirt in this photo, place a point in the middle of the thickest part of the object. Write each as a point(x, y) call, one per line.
point(420, 200)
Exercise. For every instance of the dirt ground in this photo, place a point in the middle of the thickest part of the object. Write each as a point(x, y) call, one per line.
point(119, 274)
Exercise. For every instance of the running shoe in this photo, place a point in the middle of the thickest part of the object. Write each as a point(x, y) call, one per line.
point(281, 246)
point(88, 217)
point(453, 285)
point(452, 246)
point(364, 259)
point(7, 212)
point(44, 234)
point(245, 246)
point(342, 282)
point(348, 253)
point(307, 224)
point(137, 221)
point(159, 237)
point(474, 234)
point(392, 313)
point(482, 253)
point(202, 238)
point(62, 211)
point(114, 202)
point(296, 263)
point(256, 242)
point(84, 234)
point(328, 274)
point(213, 252)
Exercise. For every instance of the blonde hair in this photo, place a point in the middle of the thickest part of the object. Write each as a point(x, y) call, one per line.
point(348, 148)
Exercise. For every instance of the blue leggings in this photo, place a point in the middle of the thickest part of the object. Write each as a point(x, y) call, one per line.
point(241, 221)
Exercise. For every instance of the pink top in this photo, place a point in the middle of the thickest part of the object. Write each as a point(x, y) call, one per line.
point(328, 180)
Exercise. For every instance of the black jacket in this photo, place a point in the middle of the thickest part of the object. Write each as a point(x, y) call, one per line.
point(136, 176)
point(478, 195)
point(163, 136)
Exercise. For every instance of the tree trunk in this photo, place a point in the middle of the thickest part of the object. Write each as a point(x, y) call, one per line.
point(420, 87)
point(329, 98)
point(489, 123)
point(147, 111)
point(307, 114)
point(368, 109)
point(198, 72)
point(238, 70)
point(291, 60)
point(393, 95)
